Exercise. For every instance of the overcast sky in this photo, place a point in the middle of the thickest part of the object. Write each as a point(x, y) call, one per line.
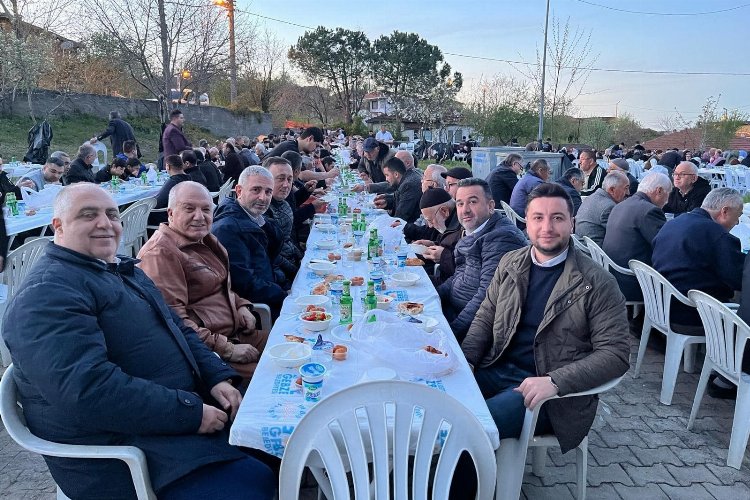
point(512, 30)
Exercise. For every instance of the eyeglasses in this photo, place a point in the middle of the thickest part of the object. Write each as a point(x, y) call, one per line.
point(680, 175)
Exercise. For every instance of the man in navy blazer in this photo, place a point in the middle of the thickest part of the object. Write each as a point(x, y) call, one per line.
point(101, 360)
point(632, 226)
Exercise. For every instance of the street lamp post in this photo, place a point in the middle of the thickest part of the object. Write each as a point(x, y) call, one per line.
point(229, 6)
point(544, 71)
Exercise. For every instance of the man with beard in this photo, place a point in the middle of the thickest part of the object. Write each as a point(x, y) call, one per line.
point(439, 211)
point(252, 242)
point(552, 323)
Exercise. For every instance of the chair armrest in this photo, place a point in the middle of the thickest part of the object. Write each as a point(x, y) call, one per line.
point(265, 315)
point(732, 305)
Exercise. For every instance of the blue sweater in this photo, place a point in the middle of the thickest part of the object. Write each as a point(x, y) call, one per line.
point(695, 253)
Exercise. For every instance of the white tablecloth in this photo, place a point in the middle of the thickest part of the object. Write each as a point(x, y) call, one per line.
point(273, 404)
point(42, 218)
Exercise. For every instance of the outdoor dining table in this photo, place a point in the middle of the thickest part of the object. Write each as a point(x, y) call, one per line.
point(274, 404)
point(43, 217)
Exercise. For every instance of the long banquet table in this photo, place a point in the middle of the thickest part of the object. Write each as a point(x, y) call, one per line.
point(43, 217)
point(273, 404)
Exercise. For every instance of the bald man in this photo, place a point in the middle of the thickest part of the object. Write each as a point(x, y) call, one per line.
point(689, 189)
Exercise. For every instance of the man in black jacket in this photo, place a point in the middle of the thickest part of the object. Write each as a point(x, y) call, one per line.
point(572, 182)
point(504, 177)
point(408, 191)
point(80, 169)
point(104, 361)
point(308, 141)
point(689, 190)
point(176, 171)
point(118, 131)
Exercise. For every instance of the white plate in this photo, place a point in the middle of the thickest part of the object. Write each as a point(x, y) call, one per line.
point(326, 244)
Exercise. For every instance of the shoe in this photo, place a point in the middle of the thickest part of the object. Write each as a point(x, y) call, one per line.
point(720, 392)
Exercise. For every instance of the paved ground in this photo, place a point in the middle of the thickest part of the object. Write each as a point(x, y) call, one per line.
point(639, 449)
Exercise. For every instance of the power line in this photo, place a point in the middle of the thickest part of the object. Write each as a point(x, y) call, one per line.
point(666, 13)
point(510, 61)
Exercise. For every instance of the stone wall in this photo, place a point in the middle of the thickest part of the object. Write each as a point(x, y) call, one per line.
point(219, 121)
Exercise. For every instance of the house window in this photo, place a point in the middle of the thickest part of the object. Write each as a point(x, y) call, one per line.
point(374, 105)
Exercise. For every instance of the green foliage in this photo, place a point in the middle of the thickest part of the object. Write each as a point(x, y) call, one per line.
point(357, 127)
point(597, 132)
point(336, 59)
point(506, 122)
point(70, 131)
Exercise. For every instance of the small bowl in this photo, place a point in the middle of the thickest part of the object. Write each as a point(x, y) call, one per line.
point(311, 300)
point(316, 326)
point(405, 279)
point(327, 244)
point(290, 354)
point(353, 254)
point(322, 268)
point(326, 227)
point(384, 301)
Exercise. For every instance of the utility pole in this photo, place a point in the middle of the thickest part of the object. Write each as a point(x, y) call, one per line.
point(544, 72)
point(229, 6)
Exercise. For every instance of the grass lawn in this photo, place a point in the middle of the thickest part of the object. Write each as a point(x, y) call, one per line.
point(70, 131)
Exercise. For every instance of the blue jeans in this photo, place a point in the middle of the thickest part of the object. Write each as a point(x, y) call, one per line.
point(506, 405)
point(246, 478)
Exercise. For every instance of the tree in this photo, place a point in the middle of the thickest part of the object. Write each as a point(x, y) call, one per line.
point(628, 130)
point(338, 60)
point(597, 132)
point(160, 39)
point(405, 66)
point(718, 130)
point(501, 108)
point(569, 66)
point(264, 73)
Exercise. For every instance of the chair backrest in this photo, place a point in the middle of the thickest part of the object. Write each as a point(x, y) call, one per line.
point(726, 333)
point(224, 191)
point(601, 258)
point(657, 294)
point(510, 213)
point(100, 148)
point(134, 220)
point(579, 244)
point(20, 261)
point(384, 423)
point(15, 425)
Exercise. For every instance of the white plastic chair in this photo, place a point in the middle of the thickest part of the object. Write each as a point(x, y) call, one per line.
point(579, 244)
point(726, 337)
point(265, 316)
point(18, 264)
point(100, 148)
point(134, 223)
point(15, 424)
point(223, 191)
point(597, 255)
point(511, 214)
point(384, 423)
point(511, 455)
point(657, 298)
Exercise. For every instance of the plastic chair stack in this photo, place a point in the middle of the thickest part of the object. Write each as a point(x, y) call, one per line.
point(134, 224)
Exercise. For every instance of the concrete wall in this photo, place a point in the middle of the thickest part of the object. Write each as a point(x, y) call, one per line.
point(219, 121)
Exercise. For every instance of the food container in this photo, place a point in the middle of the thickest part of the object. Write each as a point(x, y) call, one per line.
point(384, 302)
point(317, 325)
point(405, 279)
point(312, 381)
point(303, 301)
point(322, 268)
point(290, 354)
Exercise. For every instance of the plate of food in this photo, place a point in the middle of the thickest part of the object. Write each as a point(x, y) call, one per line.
point(321, 288)
point(413, 261)
point(410, 308)
point(357, 280)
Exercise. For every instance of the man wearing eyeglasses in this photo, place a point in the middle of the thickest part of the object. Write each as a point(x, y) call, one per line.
point(80, 169)
point(689, 190)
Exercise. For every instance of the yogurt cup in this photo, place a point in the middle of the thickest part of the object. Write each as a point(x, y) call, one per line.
point(312, 381)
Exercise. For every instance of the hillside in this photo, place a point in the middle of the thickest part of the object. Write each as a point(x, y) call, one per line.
point(70, 131)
